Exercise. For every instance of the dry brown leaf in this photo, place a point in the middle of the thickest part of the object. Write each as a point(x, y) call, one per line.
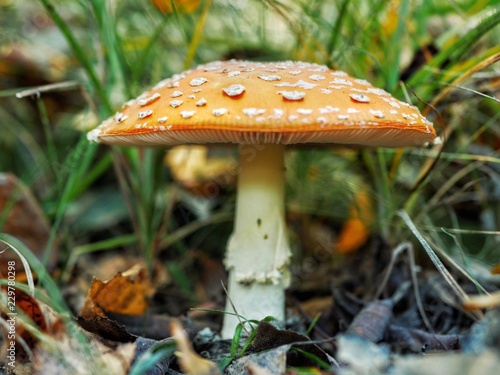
point(126, 293)
point(60, 353)
point(190, 362)
point(24, 220)
point(317, 305)
point(29, 306)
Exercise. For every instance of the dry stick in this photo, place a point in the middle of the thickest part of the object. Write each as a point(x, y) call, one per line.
point(460, 293)
point(395, 254)
point(60, 86)
point(36, 91)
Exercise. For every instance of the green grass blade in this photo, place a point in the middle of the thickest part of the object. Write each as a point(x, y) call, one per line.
point(80, 54)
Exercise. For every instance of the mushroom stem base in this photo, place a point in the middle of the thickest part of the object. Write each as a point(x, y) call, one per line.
point(258, 253)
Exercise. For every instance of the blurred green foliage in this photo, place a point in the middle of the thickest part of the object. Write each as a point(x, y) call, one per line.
point(417, 50)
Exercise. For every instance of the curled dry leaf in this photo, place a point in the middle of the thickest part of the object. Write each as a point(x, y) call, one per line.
point(126, 293)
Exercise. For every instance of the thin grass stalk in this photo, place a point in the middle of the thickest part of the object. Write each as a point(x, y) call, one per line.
point(47, 131)
point(80, 54)
point(198, 32)
point(395, 45)
point(77, 163)
point(335, 32)
point(106, 20)
point(138, 67)
point(457, 289)
point(452, 54)
point(481, 65)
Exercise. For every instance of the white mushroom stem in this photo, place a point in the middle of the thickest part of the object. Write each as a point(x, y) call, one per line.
point(258, 252)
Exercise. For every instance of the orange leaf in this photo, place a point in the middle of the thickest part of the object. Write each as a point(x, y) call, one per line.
point(126, 293)
point(181, 6)
point(355, 231)
point(190, 361)
point(17, 327)
point(496, 270)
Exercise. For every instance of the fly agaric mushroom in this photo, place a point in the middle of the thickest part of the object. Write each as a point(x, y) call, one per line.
point(263, 107)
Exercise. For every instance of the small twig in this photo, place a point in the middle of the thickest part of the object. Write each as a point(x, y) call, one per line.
point(395, 254)
point(60, 86)
point(460, 293)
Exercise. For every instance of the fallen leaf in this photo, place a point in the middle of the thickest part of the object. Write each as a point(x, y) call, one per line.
point(107, 329)
point(269, 362)
point(126, 293)
point(269, 337)
point(181, 6)
point(22, 217)
point(496, 270)
point(355, 231)
point(317, 305)
point(22, 335)
point(190, 362)
point(80, 353)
